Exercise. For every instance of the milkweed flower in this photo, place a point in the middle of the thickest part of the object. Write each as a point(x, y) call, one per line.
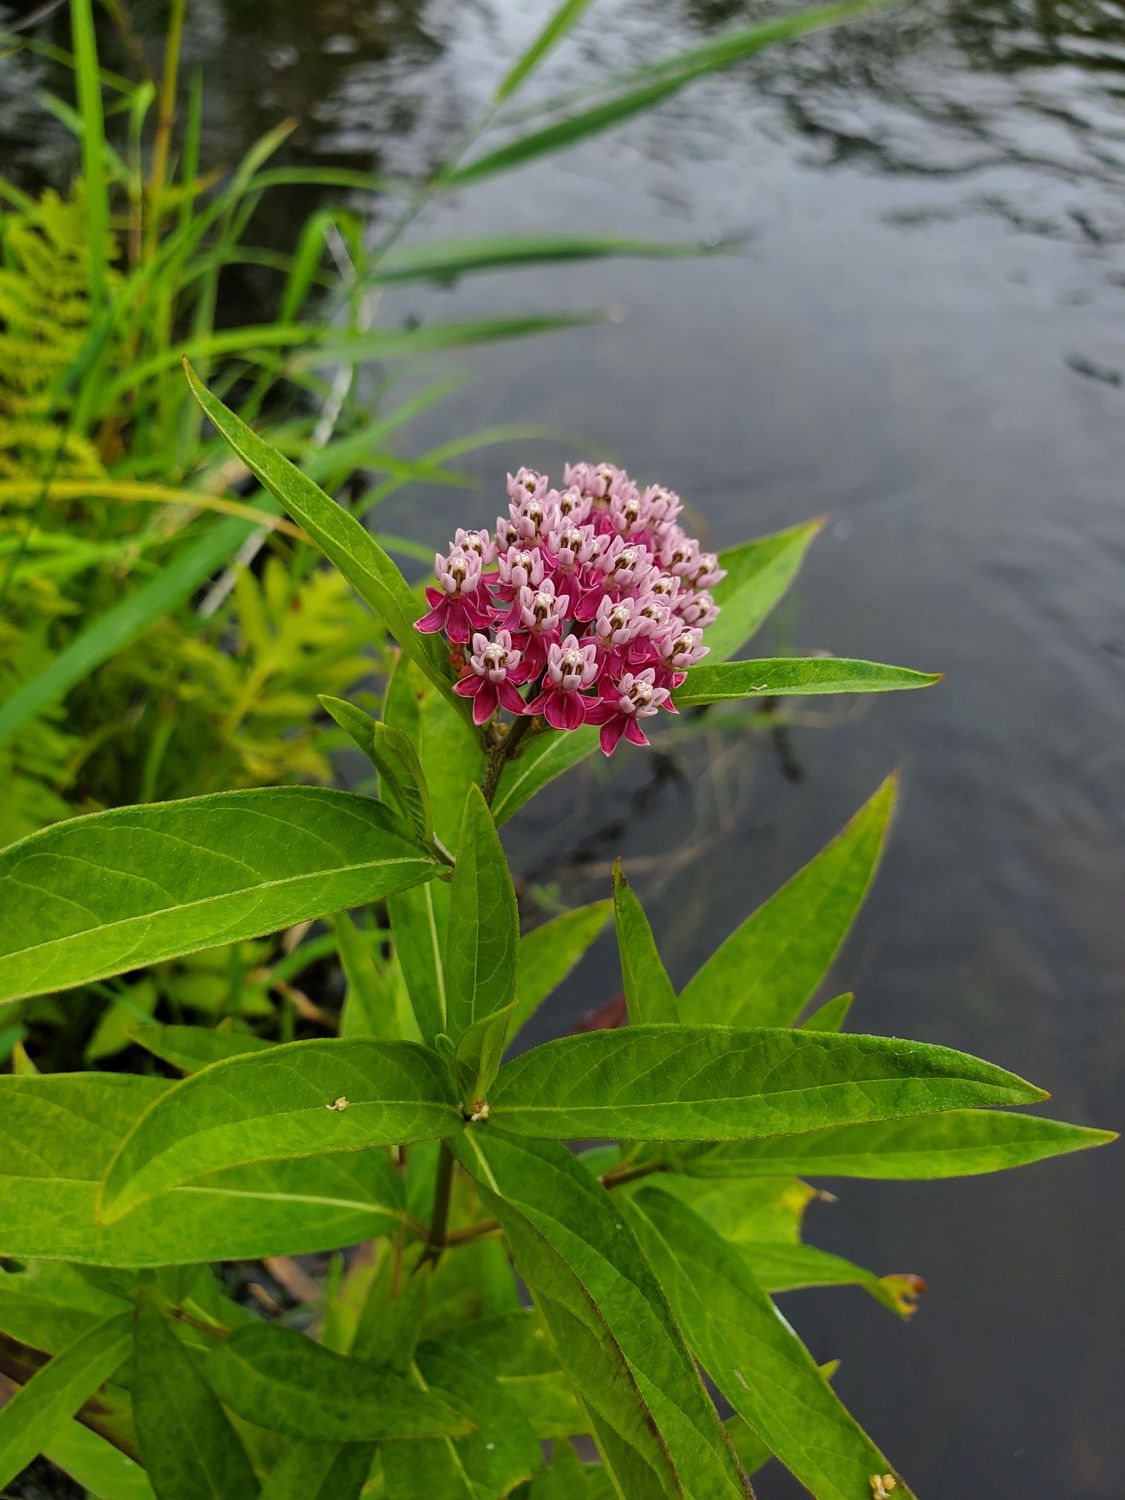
point(592, 597)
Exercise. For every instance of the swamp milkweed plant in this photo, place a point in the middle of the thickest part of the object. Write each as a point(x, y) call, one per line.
point(513, 1288)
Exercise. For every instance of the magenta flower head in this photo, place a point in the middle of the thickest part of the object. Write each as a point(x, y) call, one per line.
point(592, 597)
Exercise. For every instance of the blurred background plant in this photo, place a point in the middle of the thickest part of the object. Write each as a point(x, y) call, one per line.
point(162, 631)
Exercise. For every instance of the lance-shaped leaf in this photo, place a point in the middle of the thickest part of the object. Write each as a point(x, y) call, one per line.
point(492, 1460)
point(517, 1349)
point(546, 755)
point(419, 922)
point(369, 1001)
point(794, 676)
point(482, 949)
point(752, 1354)
point(296, 1100)
point(960, 1143)
point(830, 1016)
point(550, 951)
point(769, 966)
point(96, 1465)
point(311, 1470)
point(60, 1133)
point(56, 1391)
point(47, 1304)
point(189, 1448)
point(448, 746)
point(697, 1083)
point(190, 1048)
point(339, 536)
point(614, 1333)
point(758, 574)
point(391, 753)
point(762, 1218)
point(277, 1378)
point(98, 895)
point(648, 990)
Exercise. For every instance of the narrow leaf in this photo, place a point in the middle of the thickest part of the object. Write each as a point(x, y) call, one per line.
point(60, 1133)
point(116, 890)
point(445, 259)
point(310, 1470)
point(54, 1393)
point(189, 1448)
point(685, 1083)
point(277, 1378)
point(190, 1048)
point(769, 966)
point(549, 952)
point(394, 757)
point(369, 1006)
point(960, 1143)
point(830, 1016)
point(338, 535)
point(564, 17)
point(297, 1100)
point(797, 676)
point(758, 575)
point(613, 1330)
point(96, 1465)
point(546, 755)
point(419, 921)
point(752, 1354)
point(483, 945)
point(648, 990)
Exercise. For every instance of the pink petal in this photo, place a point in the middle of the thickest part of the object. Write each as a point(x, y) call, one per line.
point(611, 733)
point(634, 733)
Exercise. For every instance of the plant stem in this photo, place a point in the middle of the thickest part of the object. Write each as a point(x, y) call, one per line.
point(439, 1219)
point(474, 1232)
point(500, 757)
point(611, 1179)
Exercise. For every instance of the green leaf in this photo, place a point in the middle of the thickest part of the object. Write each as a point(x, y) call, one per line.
point(419, 921)
point(47, 1304)
point(100, 1468)
point(444, 260)
point(278, 1105)
point(190, 1048)
point(752, 1354)
point(448, 746)
point(762, 1217)
point(544, 756)
point(308, 1470)
point(549, 952)
point(758, 575)
point(482, 949)
point(60, 1133)
point(394, 757)
point(369, 1006)
point(614, 1333)
point(116, 890)
point(960, 1143)
point(676, 73)
point(648, 990)
point(796, 676)
point(189, 1448)
point(561, 21)
point(685, 1083)
point(121, 624)
point(339, 536)
point(479, 1052)
point(54, 1393)
point(769, 966)
point(516, 1348)
point(830, 1016)
point(496, 1457)
point(277, 1378)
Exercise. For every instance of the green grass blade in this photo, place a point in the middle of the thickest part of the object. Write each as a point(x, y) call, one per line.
point(93, 143)
point(567, 14)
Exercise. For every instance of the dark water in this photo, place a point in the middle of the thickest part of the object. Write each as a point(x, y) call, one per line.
point(923, 338)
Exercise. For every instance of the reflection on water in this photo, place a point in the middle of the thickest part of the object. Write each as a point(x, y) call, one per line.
point(924, 340)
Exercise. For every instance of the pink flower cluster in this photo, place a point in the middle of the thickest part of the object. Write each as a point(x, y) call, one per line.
point(592, 597)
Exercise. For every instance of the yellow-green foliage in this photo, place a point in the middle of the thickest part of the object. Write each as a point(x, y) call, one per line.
point(44, 320)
